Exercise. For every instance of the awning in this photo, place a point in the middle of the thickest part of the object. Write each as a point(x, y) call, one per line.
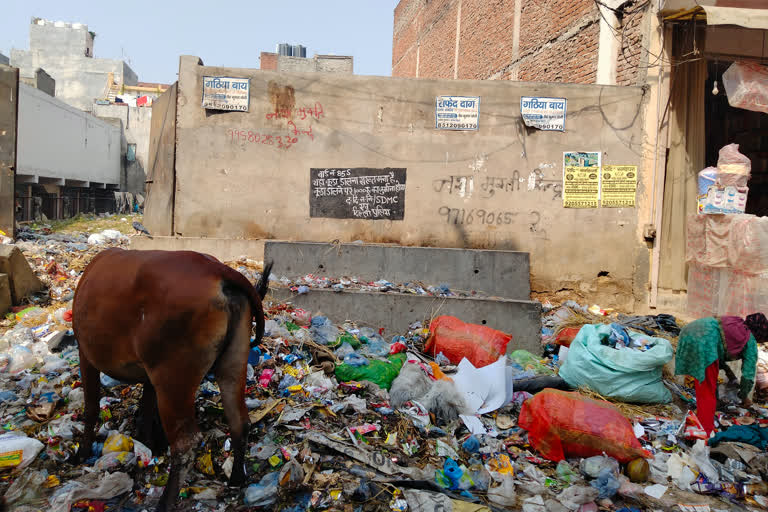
point(749, 18)
point(683, 10)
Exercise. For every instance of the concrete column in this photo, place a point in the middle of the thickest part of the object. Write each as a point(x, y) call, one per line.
point(458, 35)
point(9, 87)
point(30, 213)
point(516, 40)
point(609, 44)
point(59, 206)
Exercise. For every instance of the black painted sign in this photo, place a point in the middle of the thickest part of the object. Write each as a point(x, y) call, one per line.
point(357, 193)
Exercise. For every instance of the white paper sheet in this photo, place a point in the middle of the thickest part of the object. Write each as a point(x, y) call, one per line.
point(485, 389)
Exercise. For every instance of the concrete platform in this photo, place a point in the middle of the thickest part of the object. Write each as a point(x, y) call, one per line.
point(496, 273)
point(396, 311)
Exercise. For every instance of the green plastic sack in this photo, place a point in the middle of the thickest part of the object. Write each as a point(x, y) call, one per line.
point(530, 362)
point(381, 373)
point(624, 374)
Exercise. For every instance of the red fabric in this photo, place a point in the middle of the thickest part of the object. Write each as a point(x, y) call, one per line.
point(706, 397)
point(480, 344)
point(563, 424)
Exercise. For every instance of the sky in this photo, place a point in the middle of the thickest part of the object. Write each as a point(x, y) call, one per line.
point(150, 36)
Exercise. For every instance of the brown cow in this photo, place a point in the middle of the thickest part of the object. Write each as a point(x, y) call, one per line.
point(165, 319)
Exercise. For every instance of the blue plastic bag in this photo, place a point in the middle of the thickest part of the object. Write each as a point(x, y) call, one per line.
point(625, 374)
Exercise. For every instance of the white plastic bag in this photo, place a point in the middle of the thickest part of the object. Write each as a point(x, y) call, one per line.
point(733, 168)
point(12, 443)
point(746, 84)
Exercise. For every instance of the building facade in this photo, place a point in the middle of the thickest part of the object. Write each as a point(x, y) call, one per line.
point(65, 52)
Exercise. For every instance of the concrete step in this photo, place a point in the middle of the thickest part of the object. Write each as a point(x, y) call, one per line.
point(396, 311)
point(496, 273)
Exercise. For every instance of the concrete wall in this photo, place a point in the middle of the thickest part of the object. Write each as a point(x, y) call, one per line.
point(554, 41)
point(136, 123)
point(60, 39)
point(316, 64)
point(161, 180)
point(227, 187)
point(9, 84)
point(57, 141)
point(40, 80)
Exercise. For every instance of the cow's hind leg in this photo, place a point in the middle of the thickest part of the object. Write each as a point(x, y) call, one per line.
point(90, 378)
point(231, 370)
point(148, 425)
point(176, 386)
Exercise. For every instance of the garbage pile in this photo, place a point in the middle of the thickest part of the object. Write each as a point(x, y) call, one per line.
point(347, 417)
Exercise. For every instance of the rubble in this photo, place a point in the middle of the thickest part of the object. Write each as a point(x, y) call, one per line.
point(346, 417)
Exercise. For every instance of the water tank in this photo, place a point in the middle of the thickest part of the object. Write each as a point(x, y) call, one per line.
point(299, 51)
point(285, 49)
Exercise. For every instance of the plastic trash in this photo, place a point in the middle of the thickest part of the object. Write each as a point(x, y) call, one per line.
point(27, 489)
point(746, 84)
point(471, 445)
point(575, 496)
point(607, 483)
point(322, 330)
point(700, 456)
point(381, 373)
point(109, 382)
point(113, 460)
point(480, 344)
point(21, 358)
point(593, 466)
point(92, 485)
point(97, 239)
point(17, 450)
point(529, 362)
point(355, 359)
point(504, 495)
point(560, 423)
point(264, 493)
point(680, 473)
point(566, 473)
point(625, 374)
point(117, 442)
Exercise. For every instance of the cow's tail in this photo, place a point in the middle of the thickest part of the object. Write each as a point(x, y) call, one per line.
point(255, 295)
point(263, 286)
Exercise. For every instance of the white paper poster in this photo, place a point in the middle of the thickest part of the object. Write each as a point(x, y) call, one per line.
point(544, 113)
point(226, 93)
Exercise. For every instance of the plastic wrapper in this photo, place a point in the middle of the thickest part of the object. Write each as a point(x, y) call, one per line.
point(21, 358)
point(117, 442)
point(381, 373)
point(480, 344)
point(264, 493)
point(746, 84)
point(114, 460)
point(733, 168)
point(561, 424)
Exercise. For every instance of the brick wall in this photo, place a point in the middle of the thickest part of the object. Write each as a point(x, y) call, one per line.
point(485, 44)
point(558, 40)
point(630, 67)
point(268, 61)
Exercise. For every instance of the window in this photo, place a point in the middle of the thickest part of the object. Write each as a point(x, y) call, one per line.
point(131, 153)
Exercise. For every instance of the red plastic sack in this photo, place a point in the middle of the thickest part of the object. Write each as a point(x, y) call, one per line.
point(564, 424)
point(481, 345)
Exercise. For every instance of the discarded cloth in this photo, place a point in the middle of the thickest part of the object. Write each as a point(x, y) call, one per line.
point(750, 434)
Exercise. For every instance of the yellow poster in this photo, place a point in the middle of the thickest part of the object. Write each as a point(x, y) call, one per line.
point(618, 187)
point(580, 187)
